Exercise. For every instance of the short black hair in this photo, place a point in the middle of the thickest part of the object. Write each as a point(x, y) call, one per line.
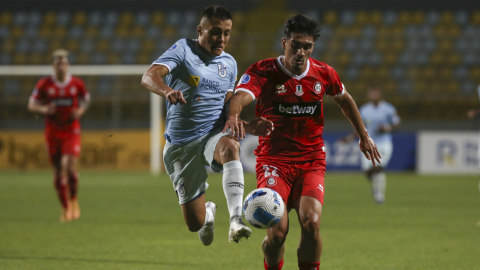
point(216, 11)
point(302, 24)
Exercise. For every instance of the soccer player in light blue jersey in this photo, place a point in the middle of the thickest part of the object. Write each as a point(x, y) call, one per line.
point(199, 80)
point(380, 118)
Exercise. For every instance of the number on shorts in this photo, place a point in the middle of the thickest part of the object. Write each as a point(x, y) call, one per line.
point(267, 169)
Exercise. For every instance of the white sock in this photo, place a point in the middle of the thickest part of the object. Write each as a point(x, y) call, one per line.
point(379, 183)
point(208, 215)
point(233, 186)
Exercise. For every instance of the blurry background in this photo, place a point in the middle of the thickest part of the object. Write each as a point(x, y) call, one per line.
point(424, 55)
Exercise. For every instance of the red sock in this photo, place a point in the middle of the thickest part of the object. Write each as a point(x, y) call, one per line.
point(73, 183)
point(61, 187)
point(309, 265)
point(274, 267)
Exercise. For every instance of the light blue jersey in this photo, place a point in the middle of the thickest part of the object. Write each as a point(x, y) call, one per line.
point(204, 81)
point(376, 116)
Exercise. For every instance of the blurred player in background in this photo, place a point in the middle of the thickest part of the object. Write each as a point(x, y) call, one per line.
point(291, 159)
point(63, 99)
point(200, 78)
point(380, 118)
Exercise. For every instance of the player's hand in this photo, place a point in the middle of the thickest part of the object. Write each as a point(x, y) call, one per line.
point(370, 150)
point(175, 97)
point(236, 128)
point(385, 128)
point(259, 127)
point(49, 109)
point(77, 113)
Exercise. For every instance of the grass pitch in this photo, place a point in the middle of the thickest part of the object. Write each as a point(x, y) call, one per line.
point(133, 221)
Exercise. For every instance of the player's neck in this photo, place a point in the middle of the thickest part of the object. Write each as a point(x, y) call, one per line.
point(204, 50)
point(291, 69)
point(61, 77)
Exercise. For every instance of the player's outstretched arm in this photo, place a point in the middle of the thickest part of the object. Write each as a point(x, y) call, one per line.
point(366, 144)
point(36, 107)
point(152, 80)
point(233, 110)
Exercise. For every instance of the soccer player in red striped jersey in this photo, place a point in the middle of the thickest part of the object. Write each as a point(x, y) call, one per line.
point(291, 157)
point(63, 99)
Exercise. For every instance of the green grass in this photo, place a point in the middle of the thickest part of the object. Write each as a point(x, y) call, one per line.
point(133, 221)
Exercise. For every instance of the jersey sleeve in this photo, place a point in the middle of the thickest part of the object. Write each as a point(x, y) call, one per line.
point(231, 87)
point(82, 91)
point(173, 56)
point(253, 80)
point(393, 117)
point(38, 94)
point(335, 87)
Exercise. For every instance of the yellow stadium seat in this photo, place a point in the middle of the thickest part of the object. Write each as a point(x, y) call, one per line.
point(418, 17)
point(445, 45)
point(447, 18)
point(389, 86)
point(59, 32)
point(16, 31)
point(169, 31)
point(72, 45)
point(390, 58)
point(91, 32)
point(452, 86)
point(453, 58)
point(7, 45)
point(122, 31)
point(82, 58)
point(148, 45)
point(158, 18)
point(102, 45)
point(126, 18)
point(475, 73)
point(49, 18)
point(80, 18)
point(437, 58)
point(144, 58)
point(421, 86)
point(362, 18)
point(113, 59)
point(239, 19)
point(19, 59)
point(405, 17)
point(137, 31)
point(344, 59)
point(376, 18)
point(330, 17)
point(6, 18)
point(54, 44)
point(36, 59)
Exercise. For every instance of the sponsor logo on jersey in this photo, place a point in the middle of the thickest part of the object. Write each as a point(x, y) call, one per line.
point(197, 98)
point(245, 79)
point(320, 187)
point(211, 85)
point(318, 65)
point(66, 102)
point(194, 80)
point(222, 71)
point(198, 61)
point(73, 91)
point(271, 181)
point(317, 87)
point(280, 89)
point(51, 91)
point(298, 90)
point(173, 47)
point(297, 109)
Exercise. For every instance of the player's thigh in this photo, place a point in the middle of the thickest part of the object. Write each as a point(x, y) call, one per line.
point(219, 143)
point(385, 149)
point(184, 165)
point(54, 148)
point(276, 176)
point(310, 182)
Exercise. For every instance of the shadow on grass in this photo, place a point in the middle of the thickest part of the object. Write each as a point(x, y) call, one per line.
point(91, 260)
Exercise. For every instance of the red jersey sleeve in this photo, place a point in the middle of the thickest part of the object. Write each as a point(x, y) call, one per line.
point(253, 80)
point(335, 87)
point(82, 91)
point(38, 93)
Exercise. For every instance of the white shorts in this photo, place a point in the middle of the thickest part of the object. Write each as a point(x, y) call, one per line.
point(186, 164)
point(385, 149)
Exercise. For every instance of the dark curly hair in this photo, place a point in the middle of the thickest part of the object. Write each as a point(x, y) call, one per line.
point(302, 24)
point(216, 11)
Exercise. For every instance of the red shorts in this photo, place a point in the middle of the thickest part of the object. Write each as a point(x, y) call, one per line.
point(65, 144)
point(292, 181)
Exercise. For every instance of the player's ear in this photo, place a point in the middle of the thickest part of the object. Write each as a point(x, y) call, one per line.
point(199, 30)
point(283, 43)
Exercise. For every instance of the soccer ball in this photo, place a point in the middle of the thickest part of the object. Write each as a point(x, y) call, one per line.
point(263, 208)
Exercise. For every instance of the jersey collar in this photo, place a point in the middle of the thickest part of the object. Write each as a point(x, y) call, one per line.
point(298, 77)
point(62, 84)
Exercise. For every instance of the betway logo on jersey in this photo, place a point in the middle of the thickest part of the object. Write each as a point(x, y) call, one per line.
point(63, 102)
point(297, 109)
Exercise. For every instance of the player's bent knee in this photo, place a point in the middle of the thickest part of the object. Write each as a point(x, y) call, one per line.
point(229, 150)
point(310, 227)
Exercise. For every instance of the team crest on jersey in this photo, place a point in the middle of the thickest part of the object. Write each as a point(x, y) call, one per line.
point(317, 87)
point(271, 181)
point(51, 91)
point(222, 71)
point(173, 47)
point(245, 79)
point(73, 91)
point(280, 89)
point(298, 90)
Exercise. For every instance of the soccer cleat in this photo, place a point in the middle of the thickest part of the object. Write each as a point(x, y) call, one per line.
point(238, 229)
point(206, 233)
